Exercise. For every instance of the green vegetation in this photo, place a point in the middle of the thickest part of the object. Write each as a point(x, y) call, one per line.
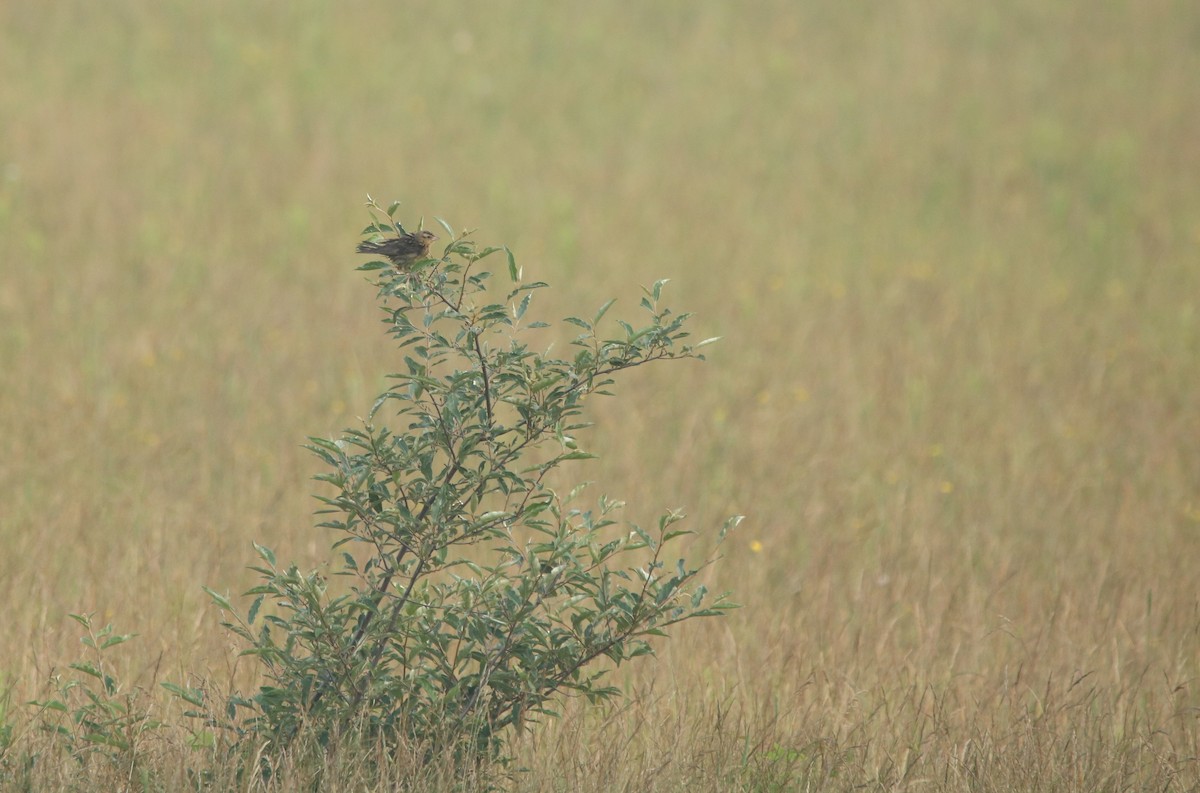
point(480, 593)
point(952, 253)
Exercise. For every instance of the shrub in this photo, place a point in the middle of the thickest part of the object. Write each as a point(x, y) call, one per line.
point(475, 592)
point(89, 713)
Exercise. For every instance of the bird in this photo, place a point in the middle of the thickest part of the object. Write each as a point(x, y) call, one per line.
point(402, 251)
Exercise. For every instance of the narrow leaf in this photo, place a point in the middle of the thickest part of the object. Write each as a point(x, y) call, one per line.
point(730, 524)
point(603, 310)
point(513, 271)
point(254, 607)
point(220, 600)
point(524, 305)
point(266, 553)
point(190, 695)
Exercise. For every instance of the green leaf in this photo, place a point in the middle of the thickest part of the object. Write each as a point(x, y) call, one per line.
point(326, 444)
point(202, 739)
point(87, 669)
point(676, 533)
point(220, 600)
point(193, 696)
point(113, 641)
point(254, 607)
point(603, 310)
point(513, 272)
point(524, 305)
point(730, 524)
point(391, 210)
point(545, 382)
point(266, 553)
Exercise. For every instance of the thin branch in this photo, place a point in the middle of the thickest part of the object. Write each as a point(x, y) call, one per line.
point(462, 287)
point(382, 642)
point(487, 388)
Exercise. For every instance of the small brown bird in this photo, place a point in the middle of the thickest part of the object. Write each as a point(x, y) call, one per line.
point(402, 251)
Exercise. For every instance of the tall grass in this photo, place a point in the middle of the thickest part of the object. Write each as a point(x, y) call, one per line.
point(952, 250)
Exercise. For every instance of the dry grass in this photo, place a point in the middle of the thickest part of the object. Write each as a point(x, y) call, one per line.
point(952, 249)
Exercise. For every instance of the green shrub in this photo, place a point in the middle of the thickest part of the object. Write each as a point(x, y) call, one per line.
point(89, 712)
point(475, 592)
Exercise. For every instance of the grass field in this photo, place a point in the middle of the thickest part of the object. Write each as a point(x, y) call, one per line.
point(954, 251)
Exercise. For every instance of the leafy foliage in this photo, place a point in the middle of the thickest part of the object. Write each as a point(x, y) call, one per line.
point(90, 713)
point(475, 593)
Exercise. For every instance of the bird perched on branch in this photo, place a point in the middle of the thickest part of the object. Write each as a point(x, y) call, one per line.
point(402, 251)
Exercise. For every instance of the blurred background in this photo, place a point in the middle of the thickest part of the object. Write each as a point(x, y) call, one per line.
point(952, 250)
